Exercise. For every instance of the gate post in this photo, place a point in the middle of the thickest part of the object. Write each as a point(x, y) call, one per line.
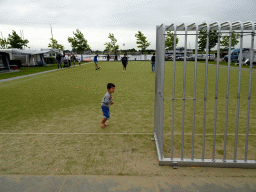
point(159, 89)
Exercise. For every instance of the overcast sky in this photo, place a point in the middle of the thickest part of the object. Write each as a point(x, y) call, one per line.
point(97, 18)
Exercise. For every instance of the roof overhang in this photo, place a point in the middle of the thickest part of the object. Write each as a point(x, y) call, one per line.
point(249, 25)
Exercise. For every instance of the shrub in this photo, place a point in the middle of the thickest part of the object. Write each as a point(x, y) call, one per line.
point(50, 60)
point(16, 62)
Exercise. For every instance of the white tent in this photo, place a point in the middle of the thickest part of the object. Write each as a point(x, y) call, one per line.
point(28, 57)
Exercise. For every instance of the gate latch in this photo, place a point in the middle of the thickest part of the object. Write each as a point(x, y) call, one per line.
point(175, 165)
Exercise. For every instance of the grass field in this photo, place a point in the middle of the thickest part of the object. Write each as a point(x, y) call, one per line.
point(50, 123)
point(221, 110)
point(30, 70)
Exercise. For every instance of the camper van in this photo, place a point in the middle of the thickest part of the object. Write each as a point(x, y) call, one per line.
point(246, 56)
point(234, 55)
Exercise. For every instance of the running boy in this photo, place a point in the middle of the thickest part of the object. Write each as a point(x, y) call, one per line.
point(105, 104)
point(96, 62)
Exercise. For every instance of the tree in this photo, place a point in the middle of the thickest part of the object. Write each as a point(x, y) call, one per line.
point(97, 51)
point(133, 50)
point(78, 42)
point(111, 46)
point(169, 41)
point(16, 41)
point(142, 41)
point(3, 43)
point(225, 40)
point(54, 44)
point(213, 39)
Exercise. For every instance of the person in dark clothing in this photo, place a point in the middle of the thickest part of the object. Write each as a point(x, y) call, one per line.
point(153, 60)
point(58, 59)
point(124, 62)
point(108, 57)
point(115, 57)
point(69, 60)
point(74, 59)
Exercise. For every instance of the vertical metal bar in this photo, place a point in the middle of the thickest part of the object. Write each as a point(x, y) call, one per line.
point(238, 90)
point(157, 75)
point(157, 84)
point(194, 100)
point(184, 89)
point(162, 61)
point(160, 87)
point(216, 92)
point(205, 87)
point(227, 94)
point(173, 87)
point(249, 93)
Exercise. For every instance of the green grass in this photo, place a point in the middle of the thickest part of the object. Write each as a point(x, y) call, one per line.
point(222, 89)
point(29, 70)
point(232, 64)
point(62, 110)
point(26, 71)
point(210, 107)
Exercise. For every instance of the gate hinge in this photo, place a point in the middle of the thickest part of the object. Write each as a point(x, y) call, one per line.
point(175, 165)
point(160, 93)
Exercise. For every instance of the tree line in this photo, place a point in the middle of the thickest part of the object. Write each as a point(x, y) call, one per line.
point(79, 44)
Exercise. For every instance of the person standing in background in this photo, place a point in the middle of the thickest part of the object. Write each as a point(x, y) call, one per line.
point(69, 60)
point(58, 59)
point(74, 59)
point(153, 61)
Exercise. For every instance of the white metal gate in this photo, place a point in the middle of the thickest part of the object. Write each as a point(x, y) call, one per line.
point(243, 29)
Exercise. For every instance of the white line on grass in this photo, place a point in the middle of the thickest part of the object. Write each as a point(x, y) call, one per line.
point(223, 66)
point(76, 133)
point(19, 81)
point(112, 134)
point(34, 74)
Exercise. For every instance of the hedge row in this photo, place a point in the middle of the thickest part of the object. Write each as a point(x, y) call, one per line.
point(50, 60)
point(16, 62)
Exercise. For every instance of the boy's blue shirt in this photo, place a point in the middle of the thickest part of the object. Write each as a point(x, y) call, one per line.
point(95, 58)
point(106, 101)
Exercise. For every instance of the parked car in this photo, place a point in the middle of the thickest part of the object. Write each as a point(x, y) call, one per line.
point(168, 58)
point(234, 55)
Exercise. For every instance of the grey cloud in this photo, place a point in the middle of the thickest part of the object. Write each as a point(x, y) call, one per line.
point(133, 15)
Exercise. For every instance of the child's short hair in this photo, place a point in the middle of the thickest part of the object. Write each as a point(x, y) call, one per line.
point(110, 85)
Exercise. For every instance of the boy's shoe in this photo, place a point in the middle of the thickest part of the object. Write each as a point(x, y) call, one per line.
point(99, 67)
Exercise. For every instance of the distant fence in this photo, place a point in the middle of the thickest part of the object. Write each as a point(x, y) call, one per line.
point(146, 57)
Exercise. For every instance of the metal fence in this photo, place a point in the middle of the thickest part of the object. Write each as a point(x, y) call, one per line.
point(243, 29)
point(139, 57)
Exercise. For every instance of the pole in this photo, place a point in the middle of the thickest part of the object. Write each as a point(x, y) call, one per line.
point(51, 31)
point(23, 37)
